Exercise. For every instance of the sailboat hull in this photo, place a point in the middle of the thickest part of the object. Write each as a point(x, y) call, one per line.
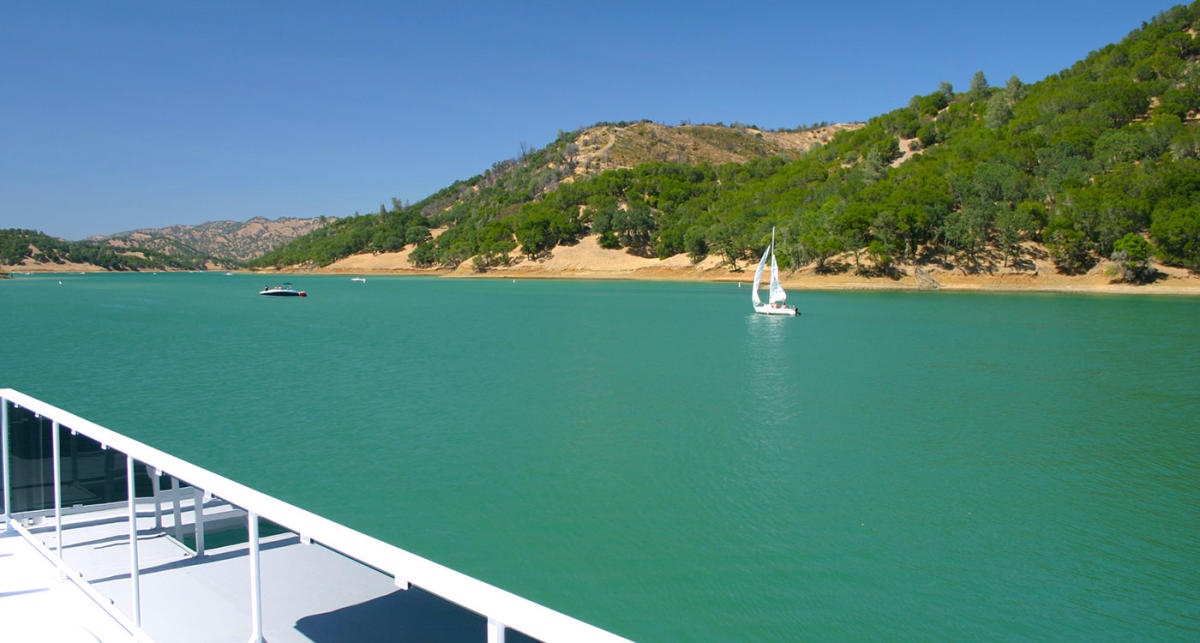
point(786, 311)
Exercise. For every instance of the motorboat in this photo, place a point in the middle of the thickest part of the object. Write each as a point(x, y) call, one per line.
point(285, 290)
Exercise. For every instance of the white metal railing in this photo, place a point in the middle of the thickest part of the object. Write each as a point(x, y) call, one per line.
point(502, 609)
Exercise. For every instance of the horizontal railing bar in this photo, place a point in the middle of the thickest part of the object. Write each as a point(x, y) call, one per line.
point(487, 600)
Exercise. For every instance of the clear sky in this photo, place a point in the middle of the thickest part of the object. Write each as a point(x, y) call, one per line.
point(118, 115)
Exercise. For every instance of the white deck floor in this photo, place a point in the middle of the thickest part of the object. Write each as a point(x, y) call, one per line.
point(37, 605)
point(309, 593)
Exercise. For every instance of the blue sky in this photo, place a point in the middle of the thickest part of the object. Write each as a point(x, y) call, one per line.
point(121, 115)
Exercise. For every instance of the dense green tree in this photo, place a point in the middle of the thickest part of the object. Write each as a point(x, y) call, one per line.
point(695, 243)
point(979, 87)
point(968, 230)
point(535, 235)
point(880, 257)
point(424, 255)
point(1131, 253)
point(927, 134)
point(634, 226)
point(851, 226)
point(1069, 248)
point(1014, 89)
point(1176, 233)
point(1014, 225)
point(999, 110)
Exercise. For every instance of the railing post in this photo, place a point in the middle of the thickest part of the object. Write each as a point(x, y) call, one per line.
point(54, 447)
point(175, 508)
point(156, 484)
point(495, 631)
point(4, 463)
point(134, 574)
point(198, 514)
point(255, 584)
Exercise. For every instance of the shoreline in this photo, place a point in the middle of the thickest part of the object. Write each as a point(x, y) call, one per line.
point(1186, 287)
point(586, 260)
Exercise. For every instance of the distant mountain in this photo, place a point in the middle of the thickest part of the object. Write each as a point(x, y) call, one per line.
point(32, 250)
point(236, 241)
point(213, 245)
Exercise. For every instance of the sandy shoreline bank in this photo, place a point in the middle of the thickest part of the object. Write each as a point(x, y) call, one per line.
point(587, 260)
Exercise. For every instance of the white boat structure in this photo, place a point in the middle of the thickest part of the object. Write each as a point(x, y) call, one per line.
point(361, 280)
point(105, 538)
point(286, 290)
point(777, 300)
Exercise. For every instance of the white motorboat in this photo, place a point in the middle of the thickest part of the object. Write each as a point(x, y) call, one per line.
point(286, 290)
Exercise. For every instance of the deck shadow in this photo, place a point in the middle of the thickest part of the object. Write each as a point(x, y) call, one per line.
point(403, 615)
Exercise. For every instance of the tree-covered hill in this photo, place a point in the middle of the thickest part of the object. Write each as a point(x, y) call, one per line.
point(1100, 160)
point(501, 191)
point(17, 246)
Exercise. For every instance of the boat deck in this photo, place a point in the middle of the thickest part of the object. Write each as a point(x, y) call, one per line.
point(37, 605)
point(240, 572)
point(309, 593)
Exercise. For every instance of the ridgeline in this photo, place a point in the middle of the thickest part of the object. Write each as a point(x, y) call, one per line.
point(216, 244)
point(1096, 162)
point(229, 242)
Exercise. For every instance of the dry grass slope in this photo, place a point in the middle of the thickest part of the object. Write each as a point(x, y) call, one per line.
point(236, 240)
point(609, 147)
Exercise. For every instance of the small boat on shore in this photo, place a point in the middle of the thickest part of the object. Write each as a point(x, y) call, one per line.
point(285, 290)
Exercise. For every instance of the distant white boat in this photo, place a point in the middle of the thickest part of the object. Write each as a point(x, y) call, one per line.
point(777, 300)
point(359, 279)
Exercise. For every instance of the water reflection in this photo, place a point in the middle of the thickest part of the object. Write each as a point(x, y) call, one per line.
point(767, 345)
point(772, 389)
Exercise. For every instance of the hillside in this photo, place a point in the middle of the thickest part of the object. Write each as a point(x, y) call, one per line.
point(233, 241)
point(1093, 164)
point(29, 250)
point(501, 191)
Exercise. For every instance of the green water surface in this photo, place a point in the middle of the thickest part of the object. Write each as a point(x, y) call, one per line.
point(656, 460)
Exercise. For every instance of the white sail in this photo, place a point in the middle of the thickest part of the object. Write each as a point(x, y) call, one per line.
point(778, 295)
point(758, 277)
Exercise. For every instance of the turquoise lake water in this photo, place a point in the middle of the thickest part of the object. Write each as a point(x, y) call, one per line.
point(654, 459)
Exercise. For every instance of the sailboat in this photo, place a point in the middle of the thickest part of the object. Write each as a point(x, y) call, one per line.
point(777, 300)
